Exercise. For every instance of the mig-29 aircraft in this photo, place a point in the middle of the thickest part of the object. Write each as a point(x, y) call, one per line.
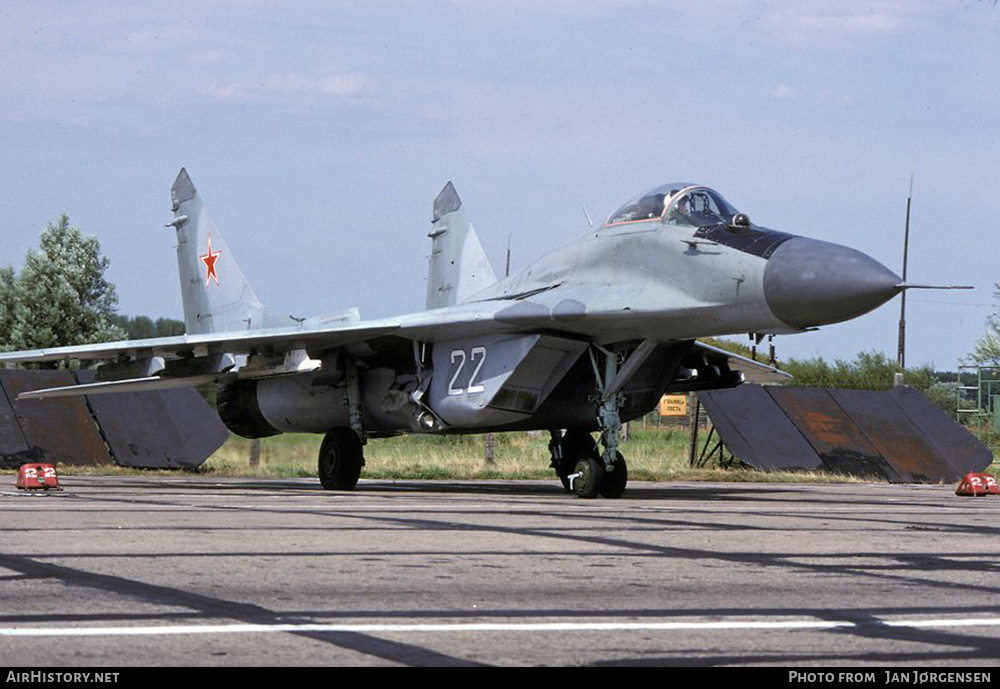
point(580, 341)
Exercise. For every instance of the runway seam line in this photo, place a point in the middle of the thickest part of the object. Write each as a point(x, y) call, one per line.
point(425, 628)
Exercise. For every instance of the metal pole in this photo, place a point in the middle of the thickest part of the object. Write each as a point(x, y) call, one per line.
point(694, 408)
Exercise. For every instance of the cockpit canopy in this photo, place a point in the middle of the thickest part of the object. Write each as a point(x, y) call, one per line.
point(680, 203)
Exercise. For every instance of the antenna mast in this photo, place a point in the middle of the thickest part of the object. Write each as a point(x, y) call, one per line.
point(901, 353)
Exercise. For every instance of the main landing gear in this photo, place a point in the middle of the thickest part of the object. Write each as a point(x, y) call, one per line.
point(341, 457)
point(342, 454)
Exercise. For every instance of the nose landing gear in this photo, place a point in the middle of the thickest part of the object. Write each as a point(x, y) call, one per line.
point(581, 467)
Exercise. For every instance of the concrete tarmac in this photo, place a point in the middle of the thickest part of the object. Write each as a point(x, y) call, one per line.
point(199, 571)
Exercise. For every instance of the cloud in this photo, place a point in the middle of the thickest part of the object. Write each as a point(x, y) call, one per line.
point(783, 92)
point(819, 23)
point(811, 24)
point(813, 96)
point(334, 86)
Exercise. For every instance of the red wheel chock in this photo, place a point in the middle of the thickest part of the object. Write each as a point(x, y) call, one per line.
point(38, 477)
point(977, 484)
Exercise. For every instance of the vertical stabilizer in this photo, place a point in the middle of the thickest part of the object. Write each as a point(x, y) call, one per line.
point(216, 295)
point(458, 265)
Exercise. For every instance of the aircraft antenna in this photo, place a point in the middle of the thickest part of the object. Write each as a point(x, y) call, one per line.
point(506, 271)
point(901, 354)
point(589, 221)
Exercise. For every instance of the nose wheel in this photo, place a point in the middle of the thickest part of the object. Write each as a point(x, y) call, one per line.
point(577, 461)
point(591, 478)
point(568, 450)
point(587, 479)
point(583, 468)
point(614, 479)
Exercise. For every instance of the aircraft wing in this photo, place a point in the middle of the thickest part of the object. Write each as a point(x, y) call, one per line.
point(181, 345)
point(753, 371)
point(189, 360)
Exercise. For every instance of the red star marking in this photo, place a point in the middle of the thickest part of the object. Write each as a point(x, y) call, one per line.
point(209, 260)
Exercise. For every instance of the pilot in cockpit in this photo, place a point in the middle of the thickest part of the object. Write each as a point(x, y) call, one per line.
point(681, 212)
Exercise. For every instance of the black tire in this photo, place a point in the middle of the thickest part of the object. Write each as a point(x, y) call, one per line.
point(588, 483)
point(613, 483)
point(576, 445)
point(341, 457)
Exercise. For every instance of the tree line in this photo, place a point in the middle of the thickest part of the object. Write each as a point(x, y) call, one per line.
point(61, 297)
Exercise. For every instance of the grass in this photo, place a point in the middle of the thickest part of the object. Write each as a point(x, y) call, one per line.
point(653, 454)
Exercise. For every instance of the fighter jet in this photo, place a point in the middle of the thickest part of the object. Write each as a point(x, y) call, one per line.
point(579, 342)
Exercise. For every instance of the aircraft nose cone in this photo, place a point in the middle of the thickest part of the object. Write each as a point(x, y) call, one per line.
point(808, 282)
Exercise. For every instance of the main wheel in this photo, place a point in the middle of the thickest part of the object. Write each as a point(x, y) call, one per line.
point(613, 483)
point(341, 457)
point(576, 445)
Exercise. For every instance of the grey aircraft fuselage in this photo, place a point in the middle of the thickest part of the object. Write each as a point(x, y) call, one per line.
point(649, 280)
point(582, 339)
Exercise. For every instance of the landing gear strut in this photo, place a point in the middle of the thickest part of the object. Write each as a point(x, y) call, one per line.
point(611, 378)
point(342, 454)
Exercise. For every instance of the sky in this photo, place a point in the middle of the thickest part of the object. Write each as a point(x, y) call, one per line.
point(319, 133)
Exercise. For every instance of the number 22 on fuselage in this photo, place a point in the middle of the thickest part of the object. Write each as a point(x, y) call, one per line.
point(476, 358)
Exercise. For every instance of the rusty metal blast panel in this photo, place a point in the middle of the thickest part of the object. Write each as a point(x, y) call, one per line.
point(14, 450)
point(165, 429)
point(963, 450)
point(56, 430)
point(898, 435)
point(756, 431)
point(834, 435)
point(895, 436)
